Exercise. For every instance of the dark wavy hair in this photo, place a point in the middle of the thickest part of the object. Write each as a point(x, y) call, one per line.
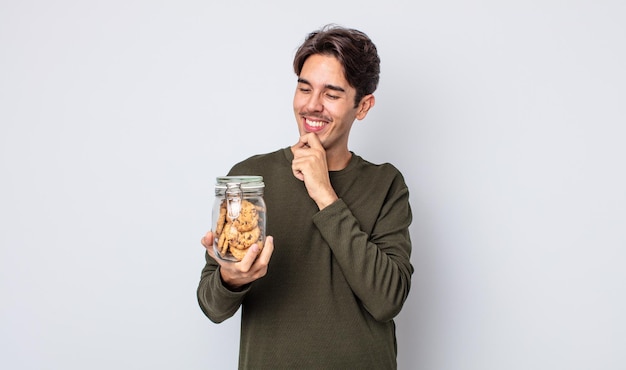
point(354, 50)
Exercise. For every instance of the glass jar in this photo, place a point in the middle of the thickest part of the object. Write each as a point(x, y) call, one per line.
point(238, 216)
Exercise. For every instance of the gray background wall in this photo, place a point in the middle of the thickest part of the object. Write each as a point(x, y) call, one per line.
point(507, 119)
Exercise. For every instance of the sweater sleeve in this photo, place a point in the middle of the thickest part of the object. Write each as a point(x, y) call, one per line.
point(377, 267)
point(216, 301)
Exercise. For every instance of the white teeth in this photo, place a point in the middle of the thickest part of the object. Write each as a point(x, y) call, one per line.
point(314, 123)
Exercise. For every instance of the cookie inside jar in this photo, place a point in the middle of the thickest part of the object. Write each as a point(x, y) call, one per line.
point(239, 216)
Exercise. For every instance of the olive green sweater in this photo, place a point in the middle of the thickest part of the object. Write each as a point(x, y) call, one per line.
point(336, 279)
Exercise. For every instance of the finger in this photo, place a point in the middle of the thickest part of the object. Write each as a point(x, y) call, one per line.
point(311, 140)
point(249, 258)
point(207, 239)
point(295, 169)
point(211, 252)
point(268, 249)
point(302, 142)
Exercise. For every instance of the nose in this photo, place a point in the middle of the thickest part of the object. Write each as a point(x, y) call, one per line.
point(314, 104)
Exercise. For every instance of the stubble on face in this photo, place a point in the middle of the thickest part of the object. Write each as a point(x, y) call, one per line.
point(324, 102)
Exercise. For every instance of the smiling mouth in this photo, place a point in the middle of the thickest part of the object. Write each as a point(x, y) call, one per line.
point(313, 125)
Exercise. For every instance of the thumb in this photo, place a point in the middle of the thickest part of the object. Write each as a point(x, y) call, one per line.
point(207, 242)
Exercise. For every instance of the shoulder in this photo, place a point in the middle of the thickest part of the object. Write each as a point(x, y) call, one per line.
point(385, 170)
point(377, 177)
point(260, 163)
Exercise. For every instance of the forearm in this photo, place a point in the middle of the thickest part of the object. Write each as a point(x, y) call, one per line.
point(216, 301)
point(377, 268)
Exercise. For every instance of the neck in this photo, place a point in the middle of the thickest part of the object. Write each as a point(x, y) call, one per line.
point(338, 161)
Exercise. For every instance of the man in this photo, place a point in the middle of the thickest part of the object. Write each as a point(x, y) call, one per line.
point(323, 291)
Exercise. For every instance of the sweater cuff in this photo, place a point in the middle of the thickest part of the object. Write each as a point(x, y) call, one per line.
point(330, 213)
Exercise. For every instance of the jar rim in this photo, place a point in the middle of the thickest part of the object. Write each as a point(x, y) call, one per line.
point(245, 181)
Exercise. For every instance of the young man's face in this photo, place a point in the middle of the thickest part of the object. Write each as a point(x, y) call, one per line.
point(324, 102)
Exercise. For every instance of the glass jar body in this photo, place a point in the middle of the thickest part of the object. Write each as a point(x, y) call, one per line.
point(239, 216)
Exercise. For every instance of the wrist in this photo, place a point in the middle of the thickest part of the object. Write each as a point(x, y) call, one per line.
point(229, 284)
point(326, 201)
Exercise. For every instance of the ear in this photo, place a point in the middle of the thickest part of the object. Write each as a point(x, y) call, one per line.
point(367, 102)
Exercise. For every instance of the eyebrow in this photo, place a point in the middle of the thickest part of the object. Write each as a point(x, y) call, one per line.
point(327, 86)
